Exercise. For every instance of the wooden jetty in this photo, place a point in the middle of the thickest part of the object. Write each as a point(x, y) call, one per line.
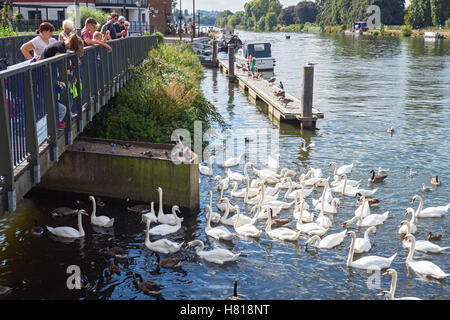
point(261, 90)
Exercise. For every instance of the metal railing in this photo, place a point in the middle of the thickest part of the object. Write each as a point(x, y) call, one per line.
point(10, 47)
point(28, 101)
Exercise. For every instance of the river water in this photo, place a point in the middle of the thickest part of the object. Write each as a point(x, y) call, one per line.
point(363, 86)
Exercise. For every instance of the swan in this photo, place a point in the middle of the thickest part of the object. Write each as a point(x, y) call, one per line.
point(363, 244)
point(222, 206)
point(328, 242)
point(270, 175)
point(273, 163)
point(316, 173)
point(217, 255)
point(100, 221)
point(215, 217)
point(163, 229)
point(404, 229)
point(263, 210)
point(263, 198)
point(207, 171)
point(382, 170)
point(390, 294)
point(345, 169)
point(370, 220)
point(232, 162)
point(368, 262)
point(166, 218)
point(244, 192)
point(306, 215)
point(69, 232)
point(421, 245)
point(323, 204)
point(345, 189)
point(336, 182)
point(235, 176)
point(149, 215)
point(161, 245)
point(285, 183)
point(225, 220)
point(305, 147)
point(430, 212)
point(272, 200)
point(281, 233)
point(222, 183)
point(364, 209)
point(291, 194)
point(311, 228)
point(218, 232)
point(247, 229)
point(322, 219)
point(422, 267)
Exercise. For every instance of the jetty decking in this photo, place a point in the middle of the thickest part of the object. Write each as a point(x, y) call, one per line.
point(261, 89)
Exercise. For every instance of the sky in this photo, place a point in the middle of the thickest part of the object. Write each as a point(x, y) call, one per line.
point(232, 5)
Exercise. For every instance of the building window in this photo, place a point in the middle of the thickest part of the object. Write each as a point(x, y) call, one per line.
point(32, 15)
point(61, 16)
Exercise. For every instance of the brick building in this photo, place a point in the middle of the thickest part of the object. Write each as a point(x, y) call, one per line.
point(160, 19)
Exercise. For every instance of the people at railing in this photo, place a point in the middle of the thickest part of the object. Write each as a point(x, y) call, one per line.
point(120, 27)
point(68, 27)
point(73, 43)
point(127, 26)
point(39, 43)
point(87, 34)
point(110, 25)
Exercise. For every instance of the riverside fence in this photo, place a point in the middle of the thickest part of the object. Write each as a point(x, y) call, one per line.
point(28, 105)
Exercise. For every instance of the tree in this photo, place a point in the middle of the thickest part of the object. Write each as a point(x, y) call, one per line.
point(437, 11)
point(287, 15)
point(305, 11)
point(261, 25)
point(419, 14)
point(270, 21)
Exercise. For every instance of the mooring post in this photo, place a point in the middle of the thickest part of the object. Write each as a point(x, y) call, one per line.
point(231, 62)
point(307, 121)
point(214, 51)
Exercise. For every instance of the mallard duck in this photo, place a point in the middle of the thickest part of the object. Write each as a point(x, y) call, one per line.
point(37, 230)
point(434, 237)
point(113, 268)
point(169, 262)
point(4, 290)
point(235, 295)
point(63, 211)
point(370, 200)
point(139, 208)
point(117, 252)
point(435, 181)
point(147, 286)
point(390, 130)
point(377, 179)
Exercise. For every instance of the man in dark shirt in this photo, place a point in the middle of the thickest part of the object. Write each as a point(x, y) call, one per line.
point(110, 25)
point(120, 27)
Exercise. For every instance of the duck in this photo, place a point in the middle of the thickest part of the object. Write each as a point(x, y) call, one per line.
point(282, 233)
point(232, 162)
point(139, 208)
point(165, 229)
point(328, 242)
point(63, 211)
point(69, 232)
point(36, 229)
point(113, 268)
point(411, 227)
point(247, 229)
point(166, 218)
point(363, 244)
point(117, 252)
point(169, 262)
point(389, 295)
point(434, 237)
point(435, 181)
point(377, 179)
point(422, 245)
point(430, 212)
point(367, 262)
point(426, 188)
point(219, 233)
point(100, 221)
point(207, 171)
point(147, 286)
point(372, 201)
point(217, 255)
point(370, 220)
point(235, 295)
point(390, 130)
point(150, 215)
point(412, 173)
point(215, 217)
point(422, 267)
point(310, 228)
point(345, 169)
point(162, 245)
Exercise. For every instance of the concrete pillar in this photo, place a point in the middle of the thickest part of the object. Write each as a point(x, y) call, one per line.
point(307, 91)
point(231, 62)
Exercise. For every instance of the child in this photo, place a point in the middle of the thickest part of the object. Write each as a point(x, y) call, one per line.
point(74, 43)
point(99, 37)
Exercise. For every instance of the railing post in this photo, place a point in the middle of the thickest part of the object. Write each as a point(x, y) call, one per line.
point(66, 101)
point(102, 63)
point(87, 85)
point(78, 102)
point(31, 130)
point(51, 110)
point(96, 79)
point(6, 158)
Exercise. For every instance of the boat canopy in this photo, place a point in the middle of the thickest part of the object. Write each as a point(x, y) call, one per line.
point(258, 50)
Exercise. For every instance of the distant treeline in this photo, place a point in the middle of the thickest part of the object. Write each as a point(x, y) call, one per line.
point(268, 15)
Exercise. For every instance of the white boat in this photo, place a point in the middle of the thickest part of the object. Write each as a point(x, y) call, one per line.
point(260, 52)
point(432, 35)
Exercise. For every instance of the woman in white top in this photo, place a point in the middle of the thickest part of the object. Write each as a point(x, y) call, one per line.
point(39, 43)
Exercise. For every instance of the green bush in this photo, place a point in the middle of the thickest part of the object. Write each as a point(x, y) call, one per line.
point(162, 95)
point(5, 31)
point(159, 37)
point(86, 12)
point(447, 23)
point(406, 31)
point(18, 16)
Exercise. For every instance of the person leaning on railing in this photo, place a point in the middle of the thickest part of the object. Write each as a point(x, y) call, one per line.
point(73, 43)
point(68, 27)
point(87, 34)
point(39, 43)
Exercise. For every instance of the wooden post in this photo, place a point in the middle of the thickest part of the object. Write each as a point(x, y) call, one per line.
point(215, 51)
point(307, 121)
point(231, 63)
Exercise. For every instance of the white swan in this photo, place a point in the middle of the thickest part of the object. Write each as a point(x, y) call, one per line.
point(430, 212)
point(218, 232)
point(232, 162)
point(282, 233)
point(345, 189)
point(291, 194)
point(273, 163)
point(164, 229)
point(327, 196)
point(207, 171)
point(364, 209)
point(161, 245)
point(316, 173)
point(345, 169)
point(149, 215)
point(215, 217)
point(328, 242)
point(222, 206)
point(222, 183)
point(166, 218)
point(336, 182)
point(422, 267)
point(311, 228)
point(217, 255)
point(69, 232)
point(382, 170)
point(100, 221)
point(370, 220)
point(421, 245)
point(306, 215)
point(229, 221)
point(403, 229)
point(389, 295)
point(235, 176)
point(247, 229)
point(363, 244)
point(368, 262)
